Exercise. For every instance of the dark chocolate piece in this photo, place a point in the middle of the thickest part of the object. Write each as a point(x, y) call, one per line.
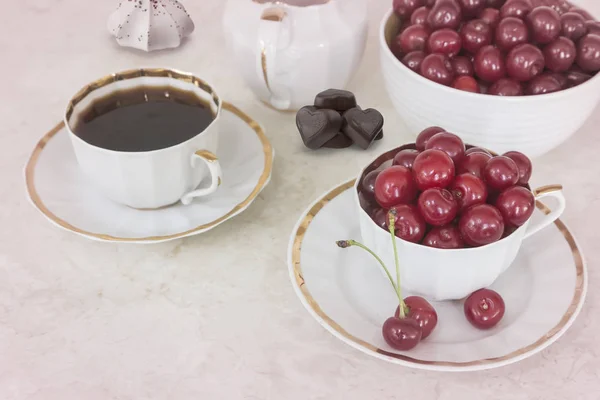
point(341, 141)
point(335, 99)
point(317, 127)
point(363, 126)
point(380, 136)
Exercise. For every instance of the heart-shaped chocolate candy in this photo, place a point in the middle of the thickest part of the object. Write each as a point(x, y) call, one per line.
point(335, 99)
point(317, 127)
point(363, 126)
point(340, 141)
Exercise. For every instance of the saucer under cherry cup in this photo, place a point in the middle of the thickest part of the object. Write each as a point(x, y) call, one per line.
point(450, 274)
point(346, 293)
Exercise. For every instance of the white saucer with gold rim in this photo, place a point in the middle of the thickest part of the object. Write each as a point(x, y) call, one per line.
point(58, 188)
point(345, 292)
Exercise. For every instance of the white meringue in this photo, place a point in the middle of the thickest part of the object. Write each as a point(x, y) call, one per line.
point(150, 24)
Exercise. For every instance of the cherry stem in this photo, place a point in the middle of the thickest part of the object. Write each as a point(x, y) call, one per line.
point(392, 226)
point(348, 243)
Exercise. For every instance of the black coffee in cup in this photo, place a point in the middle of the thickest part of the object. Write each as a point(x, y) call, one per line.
point(143, 119)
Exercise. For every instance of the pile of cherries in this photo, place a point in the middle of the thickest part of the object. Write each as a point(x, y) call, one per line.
point(415, 318)
point(449, 197)
point(498, 47)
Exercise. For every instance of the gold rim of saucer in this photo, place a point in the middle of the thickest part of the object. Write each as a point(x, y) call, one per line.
point(262, 181)
point(541, 342)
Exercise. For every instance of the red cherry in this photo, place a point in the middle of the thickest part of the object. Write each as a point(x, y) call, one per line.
point(425, 135)
point(368, 184)
point(449, 143)
point(572, 26)
point(380, 217)
point(489, 64)
point(545, 83)
point(404, 8)
point(480, 225)
point(483, 87)
point(588, 53)
point(516, 204)
point(413, 38)
point(462, 66)
point(593, 27)
point(484, 308)
point(474, 163)
point(468, 190)
point(500, 173)
point(490, 16)
point(365, 203)
point(445, 41)
point(509, 230)
point(394, 185)
point(576, 77)
point(523, 164)
point(475, 34)
point(437, 206)
point(477, 150)
point(421, 311)
point(444, 237)
point(433, 168)
point(437, 68)
point(515, 8)
point(409, 224)
point(471, 8)
point(444, 14)
point(544, 24)
point(511, 31)
point(419, 16)
point(560, 78)
point(401, 334)
point(495, 3)
point(525, 62)
point(467, 84)
point(506, 87)
point(406, 158)
point(413, 60)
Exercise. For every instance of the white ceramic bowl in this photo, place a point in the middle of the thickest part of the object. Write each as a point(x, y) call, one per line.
point(533, 125)
point(448, 274)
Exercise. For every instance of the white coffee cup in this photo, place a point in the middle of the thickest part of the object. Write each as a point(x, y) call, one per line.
point(150, 179)
point(450, 274)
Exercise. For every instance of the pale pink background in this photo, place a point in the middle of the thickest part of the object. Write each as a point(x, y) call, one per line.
point(214, 316)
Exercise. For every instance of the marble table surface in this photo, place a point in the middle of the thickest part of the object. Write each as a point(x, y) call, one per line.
point(214, 316)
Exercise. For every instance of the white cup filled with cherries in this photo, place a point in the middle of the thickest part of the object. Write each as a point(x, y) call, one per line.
point(461, 212)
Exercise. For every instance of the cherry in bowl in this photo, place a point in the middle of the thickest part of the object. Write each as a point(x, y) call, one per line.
point(444, 237)
point(394, 186)
point(480, 225)
point(438, 68)
point(437, 206)
point(516, 204)
point(500, 173)
point(449, 143)
point(433, 168)
point(425, 135)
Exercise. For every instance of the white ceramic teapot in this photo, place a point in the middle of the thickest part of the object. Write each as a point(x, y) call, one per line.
point(290, 50)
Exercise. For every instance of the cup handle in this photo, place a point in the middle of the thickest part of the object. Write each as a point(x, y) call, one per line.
point(552, 215)
point(212, 162)
point(274, 24)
